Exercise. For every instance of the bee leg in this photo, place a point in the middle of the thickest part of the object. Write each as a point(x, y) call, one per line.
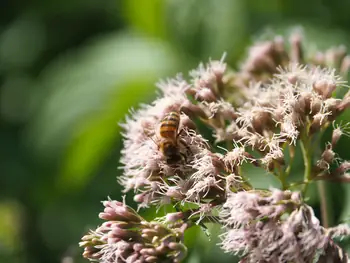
point(150, 137)
point(183, 142)
point(184, 157)
point(181, 131)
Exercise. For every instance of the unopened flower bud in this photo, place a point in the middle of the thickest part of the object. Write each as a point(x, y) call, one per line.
point(112, 203)
point(205, 94)
point(324, 88)
point(151, 259)
point(261, 119)
point(149, 233)
point(192, 110)
point(104, 239)
point(139, 198)
point(319, 59)
point(137, 247)
point(296, 197)
point(305, 101)
point(315, 106)
point(121, 213)
point(260, 59)
point(342, 230)
point(122, 225)
point(186, 122)
point(345, 65)
point(217, 162)
point(175, 106)
point(162, 248)
point(293, 79)
point(296, 52)
point(279, 46)
point(113, 240)
point(328, 154)
point(345, 103)
point(134, 257)
point(91, 253)
point(121, 233)
point(343, 168)
point(337, 133)
point(173, 217)
point(148, 251)
point(173, 192)
point(278, 114)
point(278, 195)
point(218, 67)
point(334, 56)
point(175, 246)
point(318, 121)
point(332, 105)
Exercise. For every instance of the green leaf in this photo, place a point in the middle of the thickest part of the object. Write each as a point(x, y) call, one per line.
point(146, 16)
point(11, 212)
point(260, 178)
point(191, 236)
point(207, 28)
point(194, 257)
point(95, 137)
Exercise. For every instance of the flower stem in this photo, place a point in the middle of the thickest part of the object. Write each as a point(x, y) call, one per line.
point(282, 176)
point(291, 159)
point(307, 150)
point(325, 205)
point(307, 156)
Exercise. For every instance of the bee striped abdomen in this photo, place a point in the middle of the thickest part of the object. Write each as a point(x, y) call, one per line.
point(169, 125)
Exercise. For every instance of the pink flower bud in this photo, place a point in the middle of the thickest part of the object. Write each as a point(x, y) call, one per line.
point(186, 122)
point(151, 259)
point(205, 94)
point(345, 65)
point(173, 217)
point(173, 192)
point(148, 251)
point(296, 55)
point(337, 133)
point(175, 246)
point(149, 233)
point(192, 110)
point(324, 88)
point(328, 154)
point(343, 168)
point(138, 246)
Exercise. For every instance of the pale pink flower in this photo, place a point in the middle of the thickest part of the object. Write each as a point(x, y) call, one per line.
point(257, 227)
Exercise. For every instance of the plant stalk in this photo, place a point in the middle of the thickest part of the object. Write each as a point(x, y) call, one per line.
point(307, 156)
point(325, 204)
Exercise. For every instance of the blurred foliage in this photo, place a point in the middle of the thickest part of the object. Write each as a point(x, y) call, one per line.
point(69, 72)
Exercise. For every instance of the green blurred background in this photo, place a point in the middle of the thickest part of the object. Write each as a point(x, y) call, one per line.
point(69, 72)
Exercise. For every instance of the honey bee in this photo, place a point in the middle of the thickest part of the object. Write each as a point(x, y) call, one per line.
point(169, 143)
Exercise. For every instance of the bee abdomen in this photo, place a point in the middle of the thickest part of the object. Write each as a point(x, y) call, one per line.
point(169, 125)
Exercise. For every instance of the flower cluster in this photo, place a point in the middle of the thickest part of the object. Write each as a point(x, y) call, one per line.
point(265, 57)
point(202, 175)
point(187, 149)
point(271, 227)
point(127, 237)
